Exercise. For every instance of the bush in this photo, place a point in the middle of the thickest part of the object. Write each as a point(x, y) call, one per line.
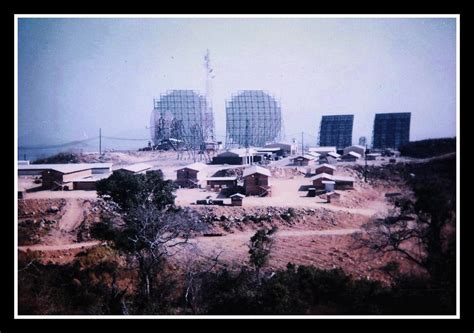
point(58, 158)
point(429, 148)
point(129, 190)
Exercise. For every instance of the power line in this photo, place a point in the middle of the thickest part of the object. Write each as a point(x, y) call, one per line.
point(124, 139)
point(71, 143)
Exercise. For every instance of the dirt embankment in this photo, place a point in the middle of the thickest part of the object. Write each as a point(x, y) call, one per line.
point(36, 218)
point(56, 221)
point(237, 219)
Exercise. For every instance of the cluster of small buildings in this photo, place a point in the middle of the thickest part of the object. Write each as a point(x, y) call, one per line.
point(329, 155)
point(75, 176)
point(326, 182)
point(255, 181)
point(248, 156)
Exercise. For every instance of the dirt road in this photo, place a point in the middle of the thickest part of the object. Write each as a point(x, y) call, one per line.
point(46, 248)
point(72, 217)
point(281, 233)
point(63, 233)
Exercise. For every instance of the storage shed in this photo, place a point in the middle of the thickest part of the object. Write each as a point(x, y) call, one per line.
point(236, 199)
point(373, 156)
point(37, 169)
point(191, 175)
point(356, 149)
point(318, 180)
point(329, 185)
point(213, 183)
point(273, 151)
point(61, 177)
point(323, 150)
point(325, 168)
point(302, 160)
point(350, 157)
point(288, 148)
point(241, 156)
point(256, 181)
point(88, 183)
point(135, 168)
point(333, 197)
point(344, 182)
point(329, 158)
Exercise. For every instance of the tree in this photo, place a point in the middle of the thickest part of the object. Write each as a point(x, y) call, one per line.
point(153, 229)
point(129, 190)
point(420, 230)
point(196, 266)
point(260, 246)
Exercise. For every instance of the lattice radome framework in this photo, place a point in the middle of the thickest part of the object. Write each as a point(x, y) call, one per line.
point(182, 115)
point(253, 118)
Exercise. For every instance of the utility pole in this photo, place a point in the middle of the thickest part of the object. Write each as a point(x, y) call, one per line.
point(365, 171)
point(302, 143)
point(100, 141)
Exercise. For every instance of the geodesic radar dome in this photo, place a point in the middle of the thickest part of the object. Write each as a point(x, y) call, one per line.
point(183, 115)
point(253, 118)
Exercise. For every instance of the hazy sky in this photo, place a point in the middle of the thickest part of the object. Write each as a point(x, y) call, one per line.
point(76, 75)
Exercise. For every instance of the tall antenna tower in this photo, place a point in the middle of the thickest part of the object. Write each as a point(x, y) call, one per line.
point(209, 76)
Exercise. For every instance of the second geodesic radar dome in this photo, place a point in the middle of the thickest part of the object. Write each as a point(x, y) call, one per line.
point(253, 118)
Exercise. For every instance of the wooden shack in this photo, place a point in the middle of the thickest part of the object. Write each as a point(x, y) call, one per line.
point(61, 176)
point(344, 182)
point(242, 156)
point(333, 197)
point(350, 157)
point(356, 149)
point(135, 169)
point(325, 168)
point(88, 183)
point(221, 182)
point(256, 181)
point(302, 160)
point(318, 180)
point(190, 175)
point(237, 199)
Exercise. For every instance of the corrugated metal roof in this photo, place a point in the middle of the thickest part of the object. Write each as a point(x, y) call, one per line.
point(222, 178)
point(194, 166)
point(256, 169)
point(322, 175)
point(343, 178)
point(323, 149)
point(354, 154)
point(93, 178)
point(136, 167)
point(69, 168)
point(355, 146)
point(66, 168)
point(239, 152)
point(270, 149)
point(315, 155)
point(334, 154)
point(326, 166)
point(305, 156)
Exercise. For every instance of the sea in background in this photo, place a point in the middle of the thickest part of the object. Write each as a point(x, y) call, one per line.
point(33, 153)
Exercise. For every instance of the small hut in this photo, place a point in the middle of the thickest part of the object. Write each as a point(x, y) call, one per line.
point(333, 197)
point(236, 199)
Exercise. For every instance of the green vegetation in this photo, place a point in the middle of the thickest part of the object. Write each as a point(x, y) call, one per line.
point(429, 148)
point(58, 159)
point(151, 227)
point(130, 191)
